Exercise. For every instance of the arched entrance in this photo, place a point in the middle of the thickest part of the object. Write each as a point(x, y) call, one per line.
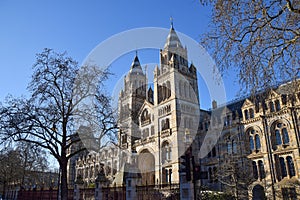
point(258, 193)
point(146, 165)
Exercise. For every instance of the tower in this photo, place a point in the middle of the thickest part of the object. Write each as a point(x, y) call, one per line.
point(155, 123)
point(131, 99)
point(177, 105)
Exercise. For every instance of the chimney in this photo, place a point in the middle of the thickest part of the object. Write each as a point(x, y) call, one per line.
point(214, 104)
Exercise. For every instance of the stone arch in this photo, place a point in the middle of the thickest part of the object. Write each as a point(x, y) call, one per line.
point(255, 127)
point(275, 121)
point(166, 151)
point(146, 164)
point(254, 135)
point(280, 131)
point(258, 192)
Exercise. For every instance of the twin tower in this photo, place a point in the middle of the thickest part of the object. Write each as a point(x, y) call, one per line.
point(156, 124)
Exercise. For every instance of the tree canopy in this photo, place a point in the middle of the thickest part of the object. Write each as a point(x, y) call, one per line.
point(260, 40)
point(64, 99)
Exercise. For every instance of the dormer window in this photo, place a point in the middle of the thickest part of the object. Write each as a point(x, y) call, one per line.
point(251, 112)
point(246, 114)
point(277, 105)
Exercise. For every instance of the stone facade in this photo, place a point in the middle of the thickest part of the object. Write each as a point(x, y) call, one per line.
point(153, 122)
point(261, 138)
point(249, 147)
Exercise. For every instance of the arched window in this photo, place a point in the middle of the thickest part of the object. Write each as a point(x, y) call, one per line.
point(278, 137)
point(285, 136)
point(257, 142)
point(166, 152)
point(261, 168)
point(291, 167)
point(251, 142)
point(282, 167)
point(255, 172)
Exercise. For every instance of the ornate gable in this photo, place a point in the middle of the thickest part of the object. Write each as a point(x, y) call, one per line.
point(247, 103)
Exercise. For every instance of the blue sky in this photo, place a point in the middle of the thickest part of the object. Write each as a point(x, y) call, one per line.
point(79, 26)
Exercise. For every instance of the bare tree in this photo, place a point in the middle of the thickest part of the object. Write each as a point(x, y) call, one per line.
point(33, 159)
point(233, 174)
point(24, 163)
point(10, 168)
point(62, 100)
point(258, 39)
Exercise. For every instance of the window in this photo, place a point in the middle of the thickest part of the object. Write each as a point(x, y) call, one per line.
point(277, 105)
point(166, 152)
point(246, 114)
point(255, 172)
point(291, 167)
point(256, 106)
point(168, 89)
point(165, 124)
point(271, 106)
point(280, 135)
point(251, 113)
point(254, 140)
point(124, 139)
point(284, 99)
point(282, 167)
point(285, 136)
point(251, 143)
point(257, 142)
point(261, 168)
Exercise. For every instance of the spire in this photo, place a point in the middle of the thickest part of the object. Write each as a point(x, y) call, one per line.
point(136, 66)
point(171, 20)
point(172, 39)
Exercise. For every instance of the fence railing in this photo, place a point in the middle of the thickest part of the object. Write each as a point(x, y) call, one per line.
point(148, 192)
point(47, 194)
point(165, 191)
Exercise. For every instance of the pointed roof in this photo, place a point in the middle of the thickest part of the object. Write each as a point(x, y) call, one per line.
point(136, 66)
point(172, 39)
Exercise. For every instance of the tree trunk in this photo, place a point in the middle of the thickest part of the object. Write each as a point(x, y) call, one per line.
point(63, 179)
